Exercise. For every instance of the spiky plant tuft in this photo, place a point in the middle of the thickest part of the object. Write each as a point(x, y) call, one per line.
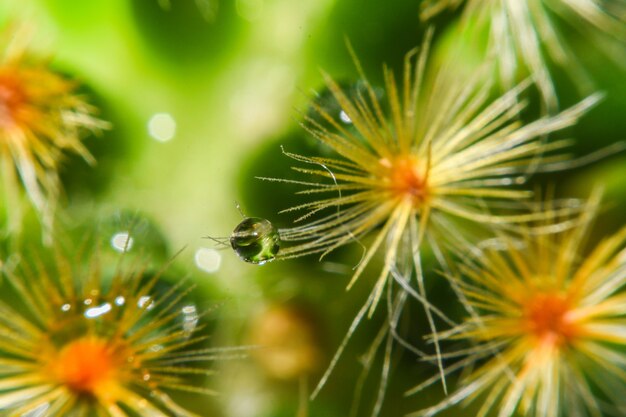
point(415, 165)
point(442, 151)
point(42, 120)
point(547, 326)
point(79, 340)
point(524, 32)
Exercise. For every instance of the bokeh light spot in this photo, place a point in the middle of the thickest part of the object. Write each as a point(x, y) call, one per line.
point(208, 260)
point(162, 127)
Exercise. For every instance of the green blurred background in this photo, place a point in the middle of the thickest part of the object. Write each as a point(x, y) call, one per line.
point(202, 95)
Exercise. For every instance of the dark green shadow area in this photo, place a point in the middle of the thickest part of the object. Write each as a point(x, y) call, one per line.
point(380, 32)
point(111, 148)
point(181, 36)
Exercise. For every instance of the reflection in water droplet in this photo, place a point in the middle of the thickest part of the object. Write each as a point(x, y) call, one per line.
point(88, 301)
point(344, 117)
point(66, 307)
point(190, 309)
point(325, 101)
point(325, 105)
point(145, 300)
point(208, 260)
point(190, 318)
point(119, 300)
point(255, 240)
point(162, 127)
point(98, 311)
point(122, 242)
point(131, 230)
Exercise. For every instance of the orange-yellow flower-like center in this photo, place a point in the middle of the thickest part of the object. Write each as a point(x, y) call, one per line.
point(87, 366)
point(12, 97)
point(405, 180)
point(548, 319)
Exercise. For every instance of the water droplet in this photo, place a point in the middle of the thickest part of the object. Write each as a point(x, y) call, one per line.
point(66, 307)
point(97, 311)
point(122, 242)
point(143, 300)
point(190, 318)
point(190, 309)
point(134, 232)
point(120, 300)
point(327, 101)
point(325, 104)
point(344, 117)
point(255, 240)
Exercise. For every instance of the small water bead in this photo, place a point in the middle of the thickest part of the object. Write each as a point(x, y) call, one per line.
point(255, 240)
point(326, 101)
point(190, 318)
point(122, 242)
point(133, 234)
point(98, 311)
point(145, 302)
point(344, 117)
point(325, 104)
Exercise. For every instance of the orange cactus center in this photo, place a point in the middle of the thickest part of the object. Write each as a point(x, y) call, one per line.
point(11, 98)
point(86, 365)
point(405, 180)
point(547, 318)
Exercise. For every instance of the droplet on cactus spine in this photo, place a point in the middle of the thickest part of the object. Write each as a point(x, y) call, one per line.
point(255, 240)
